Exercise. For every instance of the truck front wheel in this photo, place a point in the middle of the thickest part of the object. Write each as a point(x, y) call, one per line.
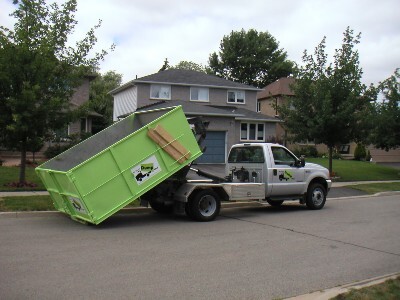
point(316, 196)
point(204, 206)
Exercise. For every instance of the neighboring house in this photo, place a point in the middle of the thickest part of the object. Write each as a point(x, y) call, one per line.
point(230, 107)
point(278, 92)
point(80, 97)
point(272, 96)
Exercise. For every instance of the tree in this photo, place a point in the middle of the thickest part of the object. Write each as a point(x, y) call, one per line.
point(100, 100)
point(386, 131)
point(189, 65)
point(39, 71)
point(250, 57)
point(330, 102)
point(165, 66)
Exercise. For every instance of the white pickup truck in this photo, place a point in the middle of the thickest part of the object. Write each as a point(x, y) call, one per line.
point(264, 172)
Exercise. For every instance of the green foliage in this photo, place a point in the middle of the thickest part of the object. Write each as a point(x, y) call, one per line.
point(307, 151)
point(39, 71)
point(385, 133)
point(330, 103)
point(189, 65)
point(250, 57)
point(100, 100)
point(360, 153)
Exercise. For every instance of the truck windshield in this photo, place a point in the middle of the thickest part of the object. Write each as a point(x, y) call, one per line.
point(246, 155)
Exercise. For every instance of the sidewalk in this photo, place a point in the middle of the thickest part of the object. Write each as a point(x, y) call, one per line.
point(333, 292)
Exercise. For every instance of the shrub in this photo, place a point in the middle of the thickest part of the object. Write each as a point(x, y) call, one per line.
point(307, 151)
point(360, 152)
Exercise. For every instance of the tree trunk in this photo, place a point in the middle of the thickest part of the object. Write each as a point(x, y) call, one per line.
point(23, 162)
point(330, 160)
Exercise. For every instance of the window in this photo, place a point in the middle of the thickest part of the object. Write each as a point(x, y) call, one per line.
point(236, 96)
point(198, 94)
point(344, 149)
point(258, 106)
point(159, 91)
point(246, 154)
point(252, 132)
point(83, 125)
point(283, 157)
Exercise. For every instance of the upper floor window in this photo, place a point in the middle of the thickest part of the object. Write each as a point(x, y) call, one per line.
point(236, 96)
point(160, 91)
point(198, 94)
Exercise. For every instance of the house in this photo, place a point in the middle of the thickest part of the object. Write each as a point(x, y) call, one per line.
point(80, 97)
point(271, 97)
point(278, 92)
point(229, 107)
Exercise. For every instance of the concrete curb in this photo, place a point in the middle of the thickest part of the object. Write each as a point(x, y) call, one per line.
point(333, 292)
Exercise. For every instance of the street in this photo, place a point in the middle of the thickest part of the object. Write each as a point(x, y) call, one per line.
point(246, 253)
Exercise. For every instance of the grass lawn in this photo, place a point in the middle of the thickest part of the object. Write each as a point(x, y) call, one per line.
point(351, 170)
point(34, 203)
point(11, 174)
point(26, 203)
point(390, 289)
point(373, 188)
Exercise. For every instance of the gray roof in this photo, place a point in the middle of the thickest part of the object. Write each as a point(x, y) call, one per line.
point(193, 109)
point(188, 78)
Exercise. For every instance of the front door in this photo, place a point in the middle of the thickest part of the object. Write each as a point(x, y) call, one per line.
point(287, 179)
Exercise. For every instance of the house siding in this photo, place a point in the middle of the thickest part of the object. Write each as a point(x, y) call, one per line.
point(217, 96)
point(125, 102)
point(81, 93)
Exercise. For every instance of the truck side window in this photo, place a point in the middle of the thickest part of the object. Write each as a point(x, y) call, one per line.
point(282, 157)
point(246, 155)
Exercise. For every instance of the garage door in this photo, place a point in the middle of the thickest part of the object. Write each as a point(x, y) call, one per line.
point(215, 152)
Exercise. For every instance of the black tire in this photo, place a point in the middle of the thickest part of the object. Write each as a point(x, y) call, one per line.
point(161, 207)
point(316, 196)
point(204, 206)
point(275, 203)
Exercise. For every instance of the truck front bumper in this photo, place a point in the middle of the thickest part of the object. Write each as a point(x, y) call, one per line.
point(328, 184)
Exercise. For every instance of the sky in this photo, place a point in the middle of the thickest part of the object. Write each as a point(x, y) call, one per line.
point(147, 32)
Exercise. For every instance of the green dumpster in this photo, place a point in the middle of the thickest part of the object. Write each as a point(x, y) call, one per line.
point(101, 175)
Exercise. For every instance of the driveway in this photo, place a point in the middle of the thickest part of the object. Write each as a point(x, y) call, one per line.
point(247, 253)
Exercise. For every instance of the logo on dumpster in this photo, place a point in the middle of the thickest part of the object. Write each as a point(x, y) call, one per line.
point(77, 205)
point(146, 169)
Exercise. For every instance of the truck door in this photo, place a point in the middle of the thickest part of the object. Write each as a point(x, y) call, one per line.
point(287, 179)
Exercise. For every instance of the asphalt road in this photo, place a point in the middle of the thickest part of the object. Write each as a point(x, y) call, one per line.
point(246, 253)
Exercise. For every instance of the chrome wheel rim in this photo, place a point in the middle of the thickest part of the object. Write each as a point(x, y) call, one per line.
point(207, 205)
point(317, 197)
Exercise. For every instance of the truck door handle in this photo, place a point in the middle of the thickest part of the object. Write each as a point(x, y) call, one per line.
point(275, 172)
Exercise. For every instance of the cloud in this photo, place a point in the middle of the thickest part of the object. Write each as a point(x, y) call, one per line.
point(147, 32)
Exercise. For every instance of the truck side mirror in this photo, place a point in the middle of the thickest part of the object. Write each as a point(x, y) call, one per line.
point(301, 162)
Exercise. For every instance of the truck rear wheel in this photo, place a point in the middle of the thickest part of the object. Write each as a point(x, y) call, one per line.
point(161, 207)
point(316, 196)
point(204, 206)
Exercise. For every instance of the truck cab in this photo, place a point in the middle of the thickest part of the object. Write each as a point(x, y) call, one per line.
point(285, 176)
